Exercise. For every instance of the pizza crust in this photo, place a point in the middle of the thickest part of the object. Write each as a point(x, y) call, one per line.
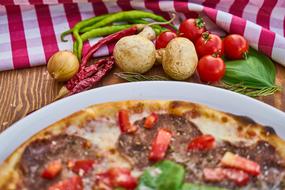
point(221, 125)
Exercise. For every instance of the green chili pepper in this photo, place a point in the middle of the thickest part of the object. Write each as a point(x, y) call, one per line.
point(96, 22)
point(82, 24)
point(75, 30)
point(97, 32)
point(126, 16)
point(157, 28)
point(104, 31)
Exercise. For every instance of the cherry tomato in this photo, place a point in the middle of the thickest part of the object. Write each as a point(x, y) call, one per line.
point(192, 28)
point(209, 44)
point(211, 69)
point(163, 39)
point(236, 46)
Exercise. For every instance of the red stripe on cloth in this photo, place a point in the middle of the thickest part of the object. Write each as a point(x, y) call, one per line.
point(124, 5)
point(237, 25)
point(7, 2)
point(183, 7)
point(46, 30)
point(237, 7)
point(18, 40)
point(36, 2)
point(99, 8)
point(266, 41)
point(65, 1)
point(154, 6)
point(263, 15)
point(211, 3)
point(211, 13)
point(72, 14)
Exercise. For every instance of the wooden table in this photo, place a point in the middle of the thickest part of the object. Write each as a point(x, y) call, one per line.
point(24, 91)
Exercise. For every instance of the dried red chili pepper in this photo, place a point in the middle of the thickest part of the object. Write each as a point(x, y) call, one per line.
point(92, 81)
point(113, 37)
point(85, 73)
point(88, 76)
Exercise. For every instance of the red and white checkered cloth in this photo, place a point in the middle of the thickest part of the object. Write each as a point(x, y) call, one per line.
point(30, 29)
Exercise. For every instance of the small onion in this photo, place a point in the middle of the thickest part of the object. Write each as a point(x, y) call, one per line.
point(63, 65)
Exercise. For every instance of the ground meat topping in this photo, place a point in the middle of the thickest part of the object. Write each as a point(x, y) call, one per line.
point(42, 151)
point(136, 148)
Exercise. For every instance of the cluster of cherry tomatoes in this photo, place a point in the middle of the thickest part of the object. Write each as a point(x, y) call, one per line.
point(209, 47)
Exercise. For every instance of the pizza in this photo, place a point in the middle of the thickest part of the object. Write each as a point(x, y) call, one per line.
point(148, 145)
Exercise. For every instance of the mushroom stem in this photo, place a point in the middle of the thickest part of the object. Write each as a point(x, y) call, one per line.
point(158, 55)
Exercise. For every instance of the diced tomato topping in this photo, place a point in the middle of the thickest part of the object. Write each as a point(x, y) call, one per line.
point(73, 183)
point(118, 177)
point(52, 169)
point(239, 177)
point(150, 120)
point(124, 122)
point(121, 177)
point(84, 165)
point(213, 174)
point(235, 161)
point(203, 142)
point(160, 144)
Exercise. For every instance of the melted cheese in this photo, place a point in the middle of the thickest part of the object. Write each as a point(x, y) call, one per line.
point(221, 131)
point(103, 133)
point(139, 116)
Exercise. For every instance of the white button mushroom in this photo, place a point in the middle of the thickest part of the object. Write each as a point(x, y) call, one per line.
point(179, 58)
point(136, 53)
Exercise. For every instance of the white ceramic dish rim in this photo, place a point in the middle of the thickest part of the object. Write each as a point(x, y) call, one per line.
point(217, 98)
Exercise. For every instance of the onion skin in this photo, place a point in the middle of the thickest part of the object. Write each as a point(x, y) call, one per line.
point(63, 65)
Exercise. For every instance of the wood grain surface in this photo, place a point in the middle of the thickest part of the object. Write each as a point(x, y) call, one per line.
point(24, 91)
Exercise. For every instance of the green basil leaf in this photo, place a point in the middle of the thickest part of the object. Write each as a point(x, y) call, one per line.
point(190, 186)
point(165, 175)
point(257, 71)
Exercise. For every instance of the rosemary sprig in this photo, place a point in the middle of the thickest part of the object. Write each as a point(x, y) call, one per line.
point(251, 91)
point(239, 88)
point(133, 77)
